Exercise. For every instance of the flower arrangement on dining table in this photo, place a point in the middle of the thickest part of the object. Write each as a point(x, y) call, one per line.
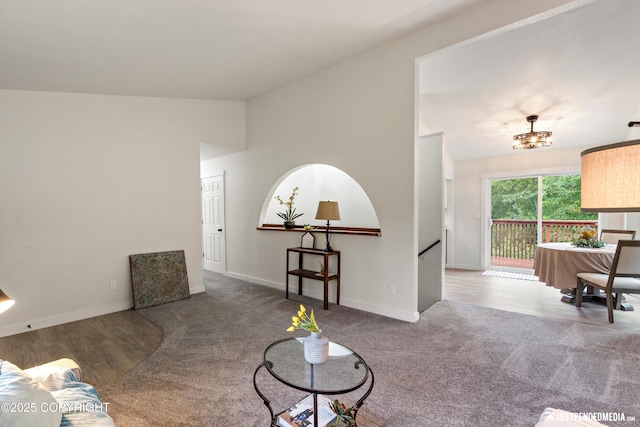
point(587, 239)
point(290, 214)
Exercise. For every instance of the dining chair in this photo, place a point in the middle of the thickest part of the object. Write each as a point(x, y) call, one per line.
point(611, 237)
point(623, 277)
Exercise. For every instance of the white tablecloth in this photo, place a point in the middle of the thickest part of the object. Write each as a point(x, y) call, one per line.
point(557, 264)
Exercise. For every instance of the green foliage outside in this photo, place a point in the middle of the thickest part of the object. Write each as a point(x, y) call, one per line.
point(514, 198)
point(561, 198)
point(518, 198)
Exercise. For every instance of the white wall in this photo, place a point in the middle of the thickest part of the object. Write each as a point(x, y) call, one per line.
point(633, 223)
point(358, 116)
point(87, 180)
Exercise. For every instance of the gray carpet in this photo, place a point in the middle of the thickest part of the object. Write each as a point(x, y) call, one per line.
point(459, 365)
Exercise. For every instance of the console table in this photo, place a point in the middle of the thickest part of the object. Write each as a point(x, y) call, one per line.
point(343, 372)
point(302, 273)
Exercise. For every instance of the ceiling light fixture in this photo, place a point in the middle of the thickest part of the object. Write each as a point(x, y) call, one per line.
point(529, 140)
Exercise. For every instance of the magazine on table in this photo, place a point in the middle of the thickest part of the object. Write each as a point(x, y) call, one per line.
point(301, 414)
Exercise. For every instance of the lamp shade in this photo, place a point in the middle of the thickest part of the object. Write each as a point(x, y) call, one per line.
point(611, 178)
point(328, 210)
point(5, 301)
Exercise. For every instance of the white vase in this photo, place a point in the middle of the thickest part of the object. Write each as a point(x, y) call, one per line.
point(316, 348)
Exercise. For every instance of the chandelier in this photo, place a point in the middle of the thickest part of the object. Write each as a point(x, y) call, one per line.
point(529, 140)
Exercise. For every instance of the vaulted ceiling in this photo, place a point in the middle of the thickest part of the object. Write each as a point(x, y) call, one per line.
point(213, 49)
point(577, 70)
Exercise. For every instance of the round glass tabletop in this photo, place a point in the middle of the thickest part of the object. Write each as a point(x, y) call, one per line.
point(344, 371)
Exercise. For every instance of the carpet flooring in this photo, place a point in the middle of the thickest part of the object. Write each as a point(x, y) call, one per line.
point(458, 365)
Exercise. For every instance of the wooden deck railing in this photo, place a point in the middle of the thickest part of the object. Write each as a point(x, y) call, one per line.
point(517, 239)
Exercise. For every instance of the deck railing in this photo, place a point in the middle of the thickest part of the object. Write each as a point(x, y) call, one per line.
point(517, 239)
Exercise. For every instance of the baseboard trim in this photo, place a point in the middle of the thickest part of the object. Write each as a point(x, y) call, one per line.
point(467, 267)
point(46, 322)
point(255, 280)
point(382, 311)
point(196, 289)
point(347, 302)
point(59, 319)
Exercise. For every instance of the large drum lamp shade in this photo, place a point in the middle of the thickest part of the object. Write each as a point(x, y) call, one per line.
point(611, 178)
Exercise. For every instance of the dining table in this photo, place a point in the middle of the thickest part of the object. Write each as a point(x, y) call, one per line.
point(558, 264)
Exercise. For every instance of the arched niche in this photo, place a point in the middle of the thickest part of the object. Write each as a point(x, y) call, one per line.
point(318, 182)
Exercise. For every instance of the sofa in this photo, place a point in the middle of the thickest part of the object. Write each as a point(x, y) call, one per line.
point(52, 394)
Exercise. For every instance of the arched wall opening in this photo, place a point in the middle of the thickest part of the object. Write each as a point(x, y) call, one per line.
point(318, 182)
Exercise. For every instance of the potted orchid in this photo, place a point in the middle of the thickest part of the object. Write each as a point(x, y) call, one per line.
point(290, 214)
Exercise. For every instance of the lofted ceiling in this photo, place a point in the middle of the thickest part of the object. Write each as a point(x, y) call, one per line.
point(213, 49)
point(579, 71)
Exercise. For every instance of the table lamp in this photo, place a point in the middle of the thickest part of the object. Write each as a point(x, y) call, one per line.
point(329, 211)
point(5, 301)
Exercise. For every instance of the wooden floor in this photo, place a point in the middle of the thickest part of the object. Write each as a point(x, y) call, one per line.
point(110, 345)
point(105, 347)
point(535, 298)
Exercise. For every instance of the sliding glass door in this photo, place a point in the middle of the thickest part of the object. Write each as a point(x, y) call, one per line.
point(514, 222)
point(526, 211)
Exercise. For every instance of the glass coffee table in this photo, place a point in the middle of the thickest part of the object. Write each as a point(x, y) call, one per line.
point(343, 372)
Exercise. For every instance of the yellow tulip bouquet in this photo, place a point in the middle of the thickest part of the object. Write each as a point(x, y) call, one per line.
point(304, 321)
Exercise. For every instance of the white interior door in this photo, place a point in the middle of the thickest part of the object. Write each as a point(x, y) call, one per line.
point(213, 244)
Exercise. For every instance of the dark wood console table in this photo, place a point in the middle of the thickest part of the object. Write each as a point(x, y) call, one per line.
point(301, 273)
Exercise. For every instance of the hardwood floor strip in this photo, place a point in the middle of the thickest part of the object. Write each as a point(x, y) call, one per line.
point(105, 346)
